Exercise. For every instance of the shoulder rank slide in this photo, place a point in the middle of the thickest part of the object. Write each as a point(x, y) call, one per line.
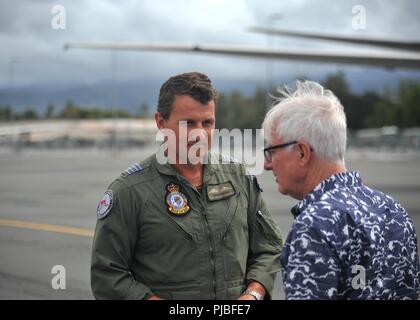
point(132, 169)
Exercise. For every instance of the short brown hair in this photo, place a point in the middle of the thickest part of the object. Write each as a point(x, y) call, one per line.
point(196, 85)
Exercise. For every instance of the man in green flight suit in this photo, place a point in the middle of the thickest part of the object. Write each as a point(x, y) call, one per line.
point(188, 230)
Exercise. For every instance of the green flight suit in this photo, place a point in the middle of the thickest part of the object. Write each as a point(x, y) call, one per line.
point(225, 240)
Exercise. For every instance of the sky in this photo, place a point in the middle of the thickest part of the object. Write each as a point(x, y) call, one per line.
point(31, 51)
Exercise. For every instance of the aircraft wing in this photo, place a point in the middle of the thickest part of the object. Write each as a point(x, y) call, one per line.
point(391, 44)
point(386, 59)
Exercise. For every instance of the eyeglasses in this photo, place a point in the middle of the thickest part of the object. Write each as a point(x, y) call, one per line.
point(268, 151)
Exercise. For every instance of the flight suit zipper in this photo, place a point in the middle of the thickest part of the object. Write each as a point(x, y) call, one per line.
point(213, 266)
point(207, 230)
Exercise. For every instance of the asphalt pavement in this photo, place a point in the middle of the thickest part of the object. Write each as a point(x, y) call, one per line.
point(48, 211)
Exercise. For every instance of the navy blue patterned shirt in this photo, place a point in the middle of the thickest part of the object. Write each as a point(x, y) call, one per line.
point(350, 242)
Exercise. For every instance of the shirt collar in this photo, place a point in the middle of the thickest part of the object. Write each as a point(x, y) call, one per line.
point(338, 180)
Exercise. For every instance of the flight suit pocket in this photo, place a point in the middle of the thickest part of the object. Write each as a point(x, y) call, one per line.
point(268, 228)
point(167, 247)
point(182, 230)
point(236, 220)
point(235, 241)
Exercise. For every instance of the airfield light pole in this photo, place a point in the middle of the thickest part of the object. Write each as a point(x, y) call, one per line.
point(271, 20)
point(13, 62)
point(114, 99)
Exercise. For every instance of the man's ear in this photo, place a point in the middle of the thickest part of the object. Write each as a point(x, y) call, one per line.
point(160, 121)
point(305, 153)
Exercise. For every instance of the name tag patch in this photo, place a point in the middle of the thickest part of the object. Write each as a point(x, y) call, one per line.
point(220, 191)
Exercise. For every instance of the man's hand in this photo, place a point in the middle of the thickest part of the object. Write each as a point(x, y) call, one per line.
point(253, 286)
point(247, 297)
point(155, 298)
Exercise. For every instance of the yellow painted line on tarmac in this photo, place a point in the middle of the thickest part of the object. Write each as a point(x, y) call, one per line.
point(46, 227)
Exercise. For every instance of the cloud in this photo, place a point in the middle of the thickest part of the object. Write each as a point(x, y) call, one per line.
point(26, 33)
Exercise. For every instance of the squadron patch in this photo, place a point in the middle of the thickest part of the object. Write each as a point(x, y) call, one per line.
point(176, 201)
point(105, 205)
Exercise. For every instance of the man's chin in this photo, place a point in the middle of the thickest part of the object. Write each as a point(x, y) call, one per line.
point(197, 158)
point(199, 152)
point(281, 189)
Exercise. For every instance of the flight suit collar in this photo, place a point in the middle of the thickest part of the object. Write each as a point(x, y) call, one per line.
point(168, 169)
point(164, 168)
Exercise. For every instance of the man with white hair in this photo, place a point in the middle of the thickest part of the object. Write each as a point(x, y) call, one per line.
point(347, 241)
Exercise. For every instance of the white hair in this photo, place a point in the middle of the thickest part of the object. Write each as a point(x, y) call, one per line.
point(313, 114)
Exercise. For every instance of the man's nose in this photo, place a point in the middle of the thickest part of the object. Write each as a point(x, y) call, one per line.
point(202, 134)
point(198, 134)
point(268, 165)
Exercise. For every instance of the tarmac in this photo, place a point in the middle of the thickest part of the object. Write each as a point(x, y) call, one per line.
point(48, 210)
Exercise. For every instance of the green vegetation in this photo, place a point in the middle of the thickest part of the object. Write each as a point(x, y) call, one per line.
point(71, 111)
point(237, 111)
point(399, 107)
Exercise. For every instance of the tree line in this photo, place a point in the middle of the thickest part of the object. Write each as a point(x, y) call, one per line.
point(399, 107)
point(71, 111)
